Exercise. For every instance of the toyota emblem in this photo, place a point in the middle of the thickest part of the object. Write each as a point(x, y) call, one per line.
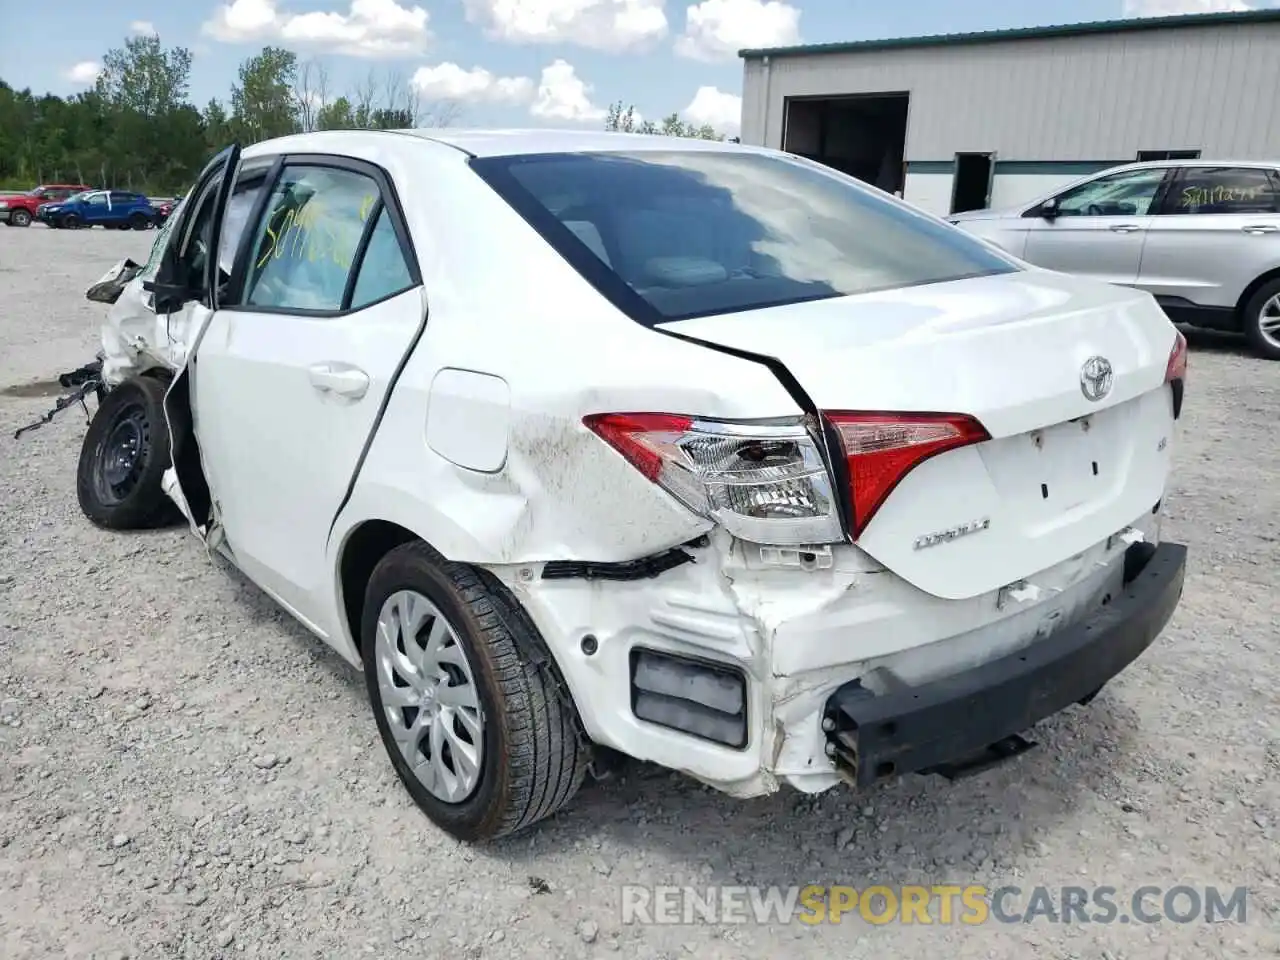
point(1095, 378)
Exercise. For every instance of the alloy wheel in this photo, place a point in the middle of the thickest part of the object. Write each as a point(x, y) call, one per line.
point(1269, 321)
point(429, 696)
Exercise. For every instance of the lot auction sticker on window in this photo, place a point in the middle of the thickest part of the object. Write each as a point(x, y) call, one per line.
point(933, 904)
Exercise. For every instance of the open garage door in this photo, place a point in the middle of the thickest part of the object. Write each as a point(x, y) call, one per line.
point(863, 135)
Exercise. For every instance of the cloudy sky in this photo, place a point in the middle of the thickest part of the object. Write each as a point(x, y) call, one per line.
point(515, 62)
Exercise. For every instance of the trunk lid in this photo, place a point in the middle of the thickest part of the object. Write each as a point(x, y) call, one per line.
point(1060, 473)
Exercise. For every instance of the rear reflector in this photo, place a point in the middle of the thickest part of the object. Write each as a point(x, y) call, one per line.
point(704, 700)
point(1175, 371)
point(882, 448)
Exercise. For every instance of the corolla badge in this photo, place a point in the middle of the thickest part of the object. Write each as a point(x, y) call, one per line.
point(1095, 378)
point(927, 540)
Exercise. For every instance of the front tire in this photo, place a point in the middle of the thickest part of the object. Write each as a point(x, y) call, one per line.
point(1262, 320)
point(20, 218)
point(72, 222)
point(466, 697)
point(123, 459)
point(139, 221)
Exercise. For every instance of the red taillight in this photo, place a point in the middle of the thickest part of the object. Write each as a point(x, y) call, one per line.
point(882, 448)
point(1176, 369)
point(765, 482)
point(639, 436)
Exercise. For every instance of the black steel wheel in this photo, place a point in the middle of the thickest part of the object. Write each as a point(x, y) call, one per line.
point(124, 457)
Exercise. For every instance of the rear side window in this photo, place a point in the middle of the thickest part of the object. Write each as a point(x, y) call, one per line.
point(383, 271)
point(305, 251)
point(1208, 190)
point(669, 235)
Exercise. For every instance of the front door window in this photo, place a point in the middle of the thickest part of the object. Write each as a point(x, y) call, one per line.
point(1128, 194)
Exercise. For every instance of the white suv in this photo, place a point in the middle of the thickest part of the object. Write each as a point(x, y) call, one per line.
point(1202, 237)
point(703, 454)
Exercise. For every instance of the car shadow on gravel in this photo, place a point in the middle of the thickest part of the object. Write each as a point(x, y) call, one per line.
point(259, 608)
point(912, 830)
point(1200, 340)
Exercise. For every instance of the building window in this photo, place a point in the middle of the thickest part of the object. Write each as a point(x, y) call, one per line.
point(1168, 155)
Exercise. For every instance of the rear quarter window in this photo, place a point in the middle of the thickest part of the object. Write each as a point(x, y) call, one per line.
point(669, 235)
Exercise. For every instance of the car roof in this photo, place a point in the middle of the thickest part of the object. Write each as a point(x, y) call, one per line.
point(1203, 162)
point(497, 142)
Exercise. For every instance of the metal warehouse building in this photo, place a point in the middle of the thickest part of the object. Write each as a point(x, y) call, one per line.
point(966, 121)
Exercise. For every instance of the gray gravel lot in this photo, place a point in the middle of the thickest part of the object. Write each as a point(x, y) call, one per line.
point(186, 773)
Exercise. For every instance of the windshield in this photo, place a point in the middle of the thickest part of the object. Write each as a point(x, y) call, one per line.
point(676, 234)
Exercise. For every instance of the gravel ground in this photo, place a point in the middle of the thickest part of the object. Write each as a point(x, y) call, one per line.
point(186, 773)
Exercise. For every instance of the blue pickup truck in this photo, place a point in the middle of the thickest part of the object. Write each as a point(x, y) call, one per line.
point(113, 209)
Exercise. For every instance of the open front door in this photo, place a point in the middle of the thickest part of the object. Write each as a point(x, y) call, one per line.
point(184, 289)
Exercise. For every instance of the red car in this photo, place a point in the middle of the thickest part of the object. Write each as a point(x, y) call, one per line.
point(19, 210)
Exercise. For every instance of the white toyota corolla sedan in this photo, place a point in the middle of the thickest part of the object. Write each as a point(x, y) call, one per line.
point(581, 444)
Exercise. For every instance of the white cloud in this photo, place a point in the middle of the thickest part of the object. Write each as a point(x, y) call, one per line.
point(718, 29)
point(448, 81)
point(713, 106)
point(562, 95)
point(611, 25)
point(1171, 8)
point(369, 28)
point(84, 73)
point(143, 28)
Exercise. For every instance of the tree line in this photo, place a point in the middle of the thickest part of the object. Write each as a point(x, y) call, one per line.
point(137, 128)
point(625, 120)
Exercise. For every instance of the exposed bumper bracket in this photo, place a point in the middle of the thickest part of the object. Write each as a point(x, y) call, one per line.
point(969, 722)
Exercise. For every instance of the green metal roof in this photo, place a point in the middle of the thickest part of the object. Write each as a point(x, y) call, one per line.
point(1025, 33)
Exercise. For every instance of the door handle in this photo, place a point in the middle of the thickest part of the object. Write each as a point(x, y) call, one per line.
point(1258, 229)
point(339, 378)
point(1125, 228)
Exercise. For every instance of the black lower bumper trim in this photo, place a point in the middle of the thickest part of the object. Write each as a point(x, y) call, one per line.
point(936, 726)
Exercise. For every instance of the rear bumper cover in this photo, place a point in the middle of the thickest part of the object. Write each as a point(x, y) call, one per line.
point(930, 726)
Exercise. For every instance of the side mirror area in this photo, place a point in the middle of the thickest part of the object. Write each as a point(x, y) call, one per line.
point(1049, 209)
point(167, 288)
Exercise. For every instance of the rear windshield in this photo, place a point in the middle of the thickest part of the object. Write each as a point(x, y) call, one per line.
point(677, 234)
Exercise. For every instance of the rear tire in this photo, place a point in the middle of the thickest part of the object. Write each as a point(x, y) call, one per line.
point(123, 459)
point(1262, 320)
point(20, 218)
point(532, 755)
